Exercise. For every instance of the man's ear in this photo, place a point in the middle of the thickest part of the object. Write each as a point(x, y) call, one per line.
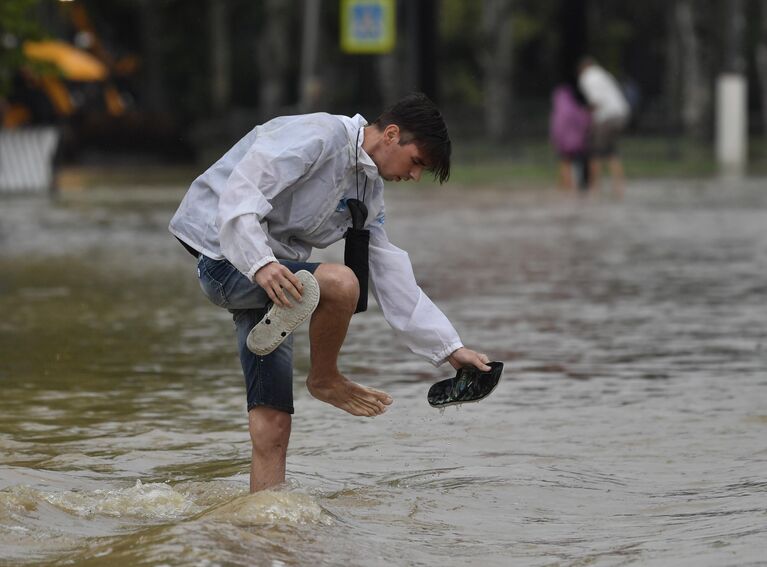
point(391, 134)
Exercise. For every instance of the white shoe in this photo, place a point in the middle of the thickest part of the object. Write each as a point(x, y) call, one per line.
point(279, 321)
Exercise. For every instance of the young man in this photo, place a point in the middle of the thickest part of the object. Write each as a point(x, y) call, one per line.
point(252, 220)
point(610, 114)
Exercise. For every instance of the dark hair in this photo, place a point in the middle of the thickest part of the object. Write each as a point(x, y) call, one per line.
point(421, 123)
point(584, 61)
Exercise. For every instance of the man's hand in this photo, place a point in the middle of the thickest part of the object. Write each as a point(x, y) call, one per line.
point(467, 357)
point(276, 280)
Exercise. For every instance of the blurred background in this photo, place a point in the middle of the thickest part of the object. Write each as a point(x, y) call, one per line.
point(176, 82)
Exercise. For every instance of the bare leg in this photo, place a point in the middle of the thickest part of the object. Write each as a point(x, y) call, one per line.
point(595, 174)
point(269, 435)
point(330, 321)
point(566, 174)
point(618, 176)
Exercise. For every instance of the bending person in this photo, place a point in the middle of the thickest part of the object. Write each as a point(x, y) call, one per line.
point(252, 220)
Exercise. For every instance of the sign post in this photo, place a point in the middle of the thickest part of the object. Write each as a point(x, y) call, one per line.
point(368, 26)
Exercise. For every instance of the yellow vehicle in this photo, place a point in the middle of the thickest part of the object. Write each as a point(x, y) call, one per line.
point(89, 90)
point(69, 81)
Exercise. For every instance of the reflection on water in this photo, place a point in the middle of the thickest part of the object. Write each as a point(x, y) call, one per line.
point(629, 424)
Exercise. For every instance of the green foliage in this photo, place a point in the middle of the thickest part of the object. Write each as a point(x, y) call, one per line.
point(459, 17)
point(16, 25)
point(527, 27)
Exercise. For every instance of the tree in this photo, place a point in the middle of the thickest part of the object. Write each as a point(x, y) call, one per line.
point(695, 85)
point(274, 47)
point(761, 62)
point(220, 55)
point(16, 25)
point(496, 57)
point(154, 89)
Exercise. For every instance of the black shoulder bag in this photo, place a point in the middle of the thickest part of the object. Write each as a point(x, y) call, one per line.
point(357, 237)
point(356, 249)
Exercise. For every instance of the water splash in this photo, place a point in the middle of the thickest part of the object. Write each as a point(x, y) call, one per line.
point(18, 500)
point(270, 507)
point(156, 501)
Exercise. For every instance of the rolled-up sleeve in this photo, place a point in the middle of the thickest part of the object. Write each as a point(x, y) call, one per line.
point(408, 310)
point(272, 165)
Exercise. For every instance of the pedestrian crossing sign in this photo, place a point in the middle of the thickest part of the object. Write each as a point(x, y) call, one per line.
point(368, 26)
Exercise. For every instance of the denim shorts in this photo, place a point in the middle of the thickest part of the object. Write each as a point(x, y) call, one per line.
point(268, 379)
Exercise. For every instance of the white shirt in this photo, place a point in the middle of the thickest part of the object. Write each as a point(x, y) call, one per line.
point(281, 191)
point(603, 93)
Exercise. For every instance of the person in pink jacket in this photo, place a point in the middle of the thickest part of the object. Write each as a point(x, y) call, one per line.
point(569, 133)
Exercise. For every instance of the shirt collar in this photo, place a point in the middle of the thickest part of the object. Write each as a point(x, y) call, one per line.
point(366, 164)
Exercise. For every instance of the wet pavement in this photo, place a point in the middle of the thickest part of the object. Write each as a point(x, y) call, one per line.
point(629, 425)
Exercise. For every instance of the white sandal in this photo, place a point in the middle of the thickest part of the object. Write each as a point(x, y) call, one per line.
point(279, 321)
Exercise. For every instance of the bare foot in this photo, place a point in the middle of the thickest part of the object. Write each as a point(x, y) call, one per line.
point(349, 396)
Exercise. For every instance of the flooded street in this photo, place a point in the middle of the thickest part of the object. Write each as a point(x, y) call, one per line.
point(630, 425)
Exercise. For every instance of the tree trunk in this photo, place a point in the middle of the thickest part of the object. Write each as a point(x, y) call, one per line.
point(220, 75)
point(695, 89)
point(496, 59)
point(412, 64)
point(672, 91)
point(311, 87)
point(273, 49)
point(573, 31)
point(761, 63)
point(735, 27)
point(425, 44)
point(153, 90)
point(673, 84)
point(389, 77)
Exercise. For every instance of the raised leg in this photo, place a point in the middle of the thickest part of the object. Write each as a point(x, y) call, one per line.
point(339, 290)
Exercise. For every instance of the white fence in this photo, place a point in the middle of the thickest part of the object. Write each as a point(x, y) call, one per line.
point(26, 159)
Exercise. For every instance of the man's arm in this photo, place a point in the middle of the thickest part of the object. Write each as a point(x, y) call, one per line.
point(271, 166)
point(409, 311)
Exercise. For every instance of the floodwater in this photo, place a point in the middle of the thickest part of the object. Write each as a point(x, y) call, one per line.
point(630, 426)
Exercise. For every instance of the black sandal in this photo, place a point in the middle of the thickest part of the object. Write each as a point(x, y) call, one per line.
point(470, 384)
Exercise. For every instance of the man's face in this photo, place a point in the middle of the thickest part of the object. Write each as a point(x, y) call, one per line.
point(400, 162)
